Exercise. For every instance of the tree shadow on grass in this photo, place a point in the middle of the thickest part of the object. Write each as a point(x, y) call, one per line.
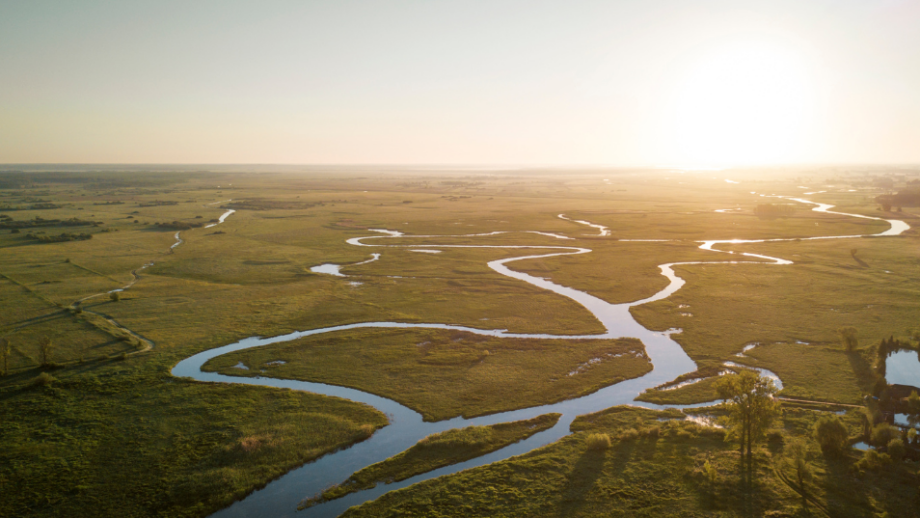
point(582, 478)
point(863, 370)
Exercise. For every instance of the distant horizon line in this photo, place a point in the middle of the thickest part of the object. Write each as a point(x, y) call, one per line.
point(5, 166)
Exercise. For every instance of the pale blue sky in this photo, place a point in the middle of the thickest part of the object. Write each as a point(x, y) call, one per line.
point(495, 82)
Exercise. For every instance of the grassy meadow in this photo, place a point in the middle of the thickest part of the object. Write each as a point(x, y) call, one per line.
point(114, 434)
point(654, 466)
point(443, 374)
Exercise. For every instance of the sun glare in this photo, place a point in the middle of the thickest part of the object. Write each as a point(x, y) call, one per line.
point(741, 104)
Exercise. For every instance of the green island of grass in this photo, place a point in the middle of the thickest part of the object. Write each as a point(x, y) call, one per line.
point(438, 450)
point(443, 374)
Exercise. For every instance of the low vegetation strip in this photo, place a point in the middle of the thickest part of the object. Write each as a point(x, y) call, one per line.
point(436, 451)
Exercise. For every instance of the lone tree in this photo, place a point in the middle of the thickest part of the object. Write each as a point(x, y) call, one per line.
point(848, 338)
point(752, 407)
point(115, 296)
point(832, 435)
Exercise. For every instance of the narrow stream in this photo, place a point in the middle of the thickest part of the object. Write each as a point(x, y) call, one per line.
point(281, 497)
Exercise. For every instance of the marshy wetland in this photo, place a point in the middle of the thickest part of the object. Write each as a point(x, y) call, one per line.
point(257, 343)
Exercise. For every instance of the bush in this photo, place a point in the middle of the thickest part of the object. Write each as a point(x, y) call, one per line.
point(872, 460)
point(883, 433)
point(832, 435)
point(776, 437)
point(629, 434)
point(115, 296)
point(43, 380)
point(598, 441)
point(896, 449)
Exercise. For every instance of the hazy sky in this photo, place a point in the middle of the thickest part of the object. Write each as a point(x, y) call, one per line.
point(439, 82)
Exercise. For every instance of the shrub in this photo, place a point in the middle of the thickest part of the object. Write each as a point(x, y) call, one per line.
point(883, 433)
point(251, 443)
point(43, 380)
point(831, 434)
point(776, 437)
point(896, 449)
point(872, 460)
point(115, 296)
point(629, 434)
point(598, 441)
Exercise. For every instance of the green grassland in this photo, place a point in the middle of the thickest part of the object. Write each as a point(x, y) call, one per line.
point(251, 276)
point(795, 310)
point(125, 439)
point(438, 450)
point(444, 374)
point(654, 467)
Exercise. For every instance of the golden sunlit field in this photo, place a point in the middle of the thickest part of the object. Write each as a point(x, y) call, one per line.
point(95, 422)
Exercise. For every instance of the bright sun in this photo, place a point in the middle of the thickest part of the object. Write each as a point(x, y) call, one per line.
point(746, 103)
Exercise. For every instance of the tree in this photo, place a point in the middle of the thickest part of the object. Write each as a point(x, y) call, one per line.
point(46, 351)
point(883, 433)
point(832, 435)
point(896, 449)
point(749, 397)
point(115, 296)
point(797, 453)
point(848, 338)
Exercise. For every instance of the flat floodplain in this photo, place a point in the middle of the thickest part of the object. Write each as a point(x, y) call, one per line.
point(115, 413)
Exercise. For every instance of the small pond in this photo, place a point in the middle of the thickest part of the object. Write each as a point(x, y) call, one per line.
point(903, 368)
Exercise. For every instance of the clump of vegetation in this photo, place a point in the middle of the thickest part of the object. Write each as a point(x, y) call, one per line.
point(872, 461)
point(157, 203)
point(43, 380)
point(832, 435)
point(906, 197)
point(266, 204)
point(896, 450)
point(115, 296)
point(599, 441)
point(179, 225)
point(883, 433)
point(42, 238)
point(39, 222)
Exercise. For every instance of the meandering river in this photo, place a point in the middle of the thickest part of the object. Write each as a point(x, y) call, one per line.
point(280, 498)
